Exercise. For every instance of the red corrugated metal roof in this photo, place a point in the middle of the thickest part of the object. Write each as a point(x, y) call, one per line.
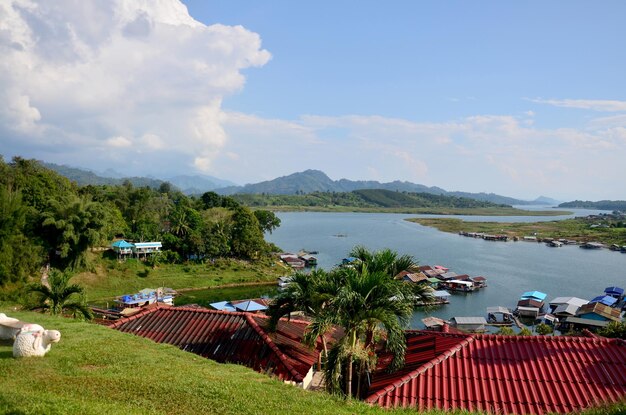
point(228, 337)
point(509, 374)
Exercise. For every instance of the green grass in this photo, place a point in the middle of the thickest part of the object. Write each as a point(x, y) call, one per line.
point(97, 370)
point(109, 277)
point(575, 229)
point(485, 211)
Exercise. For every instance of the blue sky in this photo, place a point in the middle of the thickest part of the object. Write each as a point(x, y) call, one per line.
point(517, 98)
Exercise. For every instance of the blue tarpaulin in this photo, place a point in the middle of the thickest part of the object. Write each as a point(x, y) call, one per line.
point(614, 291)
point(604, 299)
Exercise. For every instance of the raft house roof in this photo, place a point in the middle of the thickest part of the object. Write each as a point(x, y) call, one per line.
point(441, 294)
point(537, 295)
point(569, 300)
point(502, 374)
point(498, 310)
point(604, 299)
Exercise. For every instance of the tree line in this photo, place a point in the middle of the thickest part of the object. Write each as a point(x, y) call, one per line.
point(45, 218)
point(364, 198)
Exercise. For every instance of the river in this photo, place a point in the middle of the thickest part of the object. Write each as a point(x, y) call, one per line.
point(510, 267)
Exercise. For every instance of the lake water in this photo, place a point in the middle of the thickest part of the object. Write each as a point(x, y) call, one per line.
point(510, 267)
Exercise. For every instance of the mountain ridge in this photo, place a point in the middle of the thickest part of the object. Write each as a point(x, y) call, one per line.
point(307, 181)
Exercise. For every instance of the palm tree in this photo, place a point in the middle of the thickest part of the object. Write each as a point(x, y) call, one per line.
point(367, 302)
point(361, 300)
point(311, 294)
point(59, 297)
point(391, 263)
point(386, 261)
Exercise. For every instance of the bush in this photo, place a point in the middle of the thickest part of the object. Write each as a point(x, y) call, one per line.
point(506, 331)
point(543, 329)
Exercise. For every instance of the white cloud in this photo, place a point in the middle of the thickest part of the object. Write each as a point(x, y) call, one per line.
point(491, 153)
point(119, 141)
point(117, 79)
point(604, 105)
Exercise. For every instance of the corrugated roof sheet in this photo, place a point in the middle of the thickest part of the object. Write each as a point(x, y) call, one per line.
point(228, 337)
point(508, 374)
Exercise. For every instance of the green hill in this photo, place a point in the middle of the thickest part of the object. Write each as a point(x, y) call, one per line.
point(602, 205)
point(364, 198)
point(97, 370)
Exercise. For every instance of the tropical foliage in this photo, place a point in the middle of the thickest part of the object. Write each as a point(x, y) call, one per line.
point(59, 297)
point(45, 218)
point(366, 303)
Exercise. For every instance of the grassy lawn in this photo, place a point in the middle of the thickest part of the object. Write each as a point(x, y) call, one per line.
point(109, 277)
point(97, 370)
point(498, 211)
point(574, 229)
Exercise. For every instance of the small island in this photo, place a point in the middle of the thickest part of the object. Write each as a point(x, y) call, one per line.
point(608, 229)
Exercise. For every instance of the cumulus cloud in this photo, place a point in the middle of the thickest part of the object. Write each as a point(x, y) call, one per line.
point(118, 79)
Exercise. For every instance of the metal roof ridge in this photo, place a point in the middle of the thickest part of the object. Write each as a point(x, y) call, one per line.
point(141, 313)
point(540, 338)
point(266, 338)
point(423, 368)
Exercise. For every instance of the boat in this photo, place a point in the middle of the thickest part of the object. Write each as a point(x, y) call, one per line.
point(458, 285)
point(144, 298)
point(499, 316)
point(592, 245)
point(555, 244)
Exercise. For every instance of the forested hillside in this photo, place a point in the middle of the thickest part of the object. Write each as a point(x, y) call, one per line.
point(602, 205)
point(365, 198)
point(45, 218)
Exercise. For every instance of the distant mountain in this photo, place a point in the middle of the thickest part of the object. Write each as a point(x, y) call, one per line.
point(85, 177)
point(601, 205)
point(316, 181)
point(187, 184)
point(544, 200)
point(198, 184)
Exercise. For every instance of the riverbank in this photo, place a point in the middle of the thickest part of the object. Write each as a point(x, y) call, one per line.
point(108, 278)
point(485, 211)
point(571, 229)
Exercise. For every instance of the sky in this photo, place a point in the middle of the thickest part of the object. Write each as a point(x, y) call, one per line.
point(517, 98)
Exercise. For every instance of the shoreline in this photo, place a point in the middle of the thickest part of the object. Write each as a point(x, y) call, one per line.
point(570, 229)
point(419, 211)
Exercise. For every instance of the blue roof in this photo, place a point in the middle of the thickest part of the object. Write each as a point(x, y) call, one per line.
point(604, 299)
point(534, 294)
point(122, 244)
point(250, 306)
point(223, 306)
point(614, 290)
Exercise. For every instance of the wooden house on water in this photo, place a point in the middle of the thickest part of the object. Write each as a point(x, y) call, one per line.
point(530, 304)
point(469, 324)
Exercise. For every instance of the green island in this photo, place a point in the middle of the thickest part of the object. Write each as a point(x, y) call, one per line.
point(384, 201)
point(578, 229)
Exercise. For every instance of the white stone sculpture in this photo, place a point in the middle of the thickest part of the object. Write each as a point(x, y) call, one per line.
point(9, 327)
point(33, 340)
